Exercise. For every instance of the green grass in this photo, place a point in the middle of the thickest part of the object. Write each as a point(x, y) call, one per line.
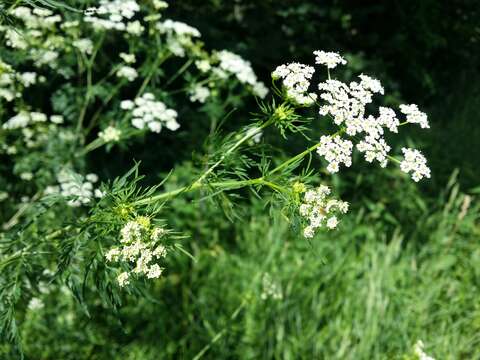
point(368, 291)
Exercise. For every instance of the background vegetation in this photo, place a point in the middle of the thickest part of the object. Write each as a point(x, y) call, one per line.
point(403, 266)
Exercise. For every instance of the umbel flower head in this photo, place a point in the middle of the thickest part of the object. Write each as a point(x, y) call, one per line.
point(320, 210)
point(139, 251)
point(150, 113)
point(296, 81)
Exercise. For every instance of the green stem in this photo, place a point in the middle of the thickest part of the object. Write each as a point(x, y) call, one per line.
point(88, 95)
point(158, 61)
point(179, 72)
point(222, 332)
point(233, 184)
point(248, 135)
point(300, 156)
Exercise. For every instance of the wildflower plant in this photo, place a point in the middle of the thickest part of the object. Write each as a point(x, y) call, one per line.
point(106, 237)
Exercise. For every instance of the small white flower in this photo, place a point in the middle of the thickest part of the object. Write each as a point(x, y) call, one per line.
point(84, 45)
point(155, 271)
point(419, 352)
point(35, 304)
point(157, 233)
point(309, 232)
point(336, 151)
point(203, 65)
point(56, 119)
point(296, 81)
point(231, 63)
point(329, 59)
point(374, 149)
point(199, 93)
point(150, 113)
point(415, 116)
point(160, 251)
point(128, 58)
point(123, 279)
point(127, 105)
point(159, 5)
point(27, 176)
point(127, 72)
point(371, 84)
point(131, 231)
point(28, 78)
point(93, 178)
point(113, 254)
point(260, 90)
point(415, 163)
point(319, 210)
point(38, 117)
point(388, 118)
point(135, 28)
point(110, 134)
point(332, 222)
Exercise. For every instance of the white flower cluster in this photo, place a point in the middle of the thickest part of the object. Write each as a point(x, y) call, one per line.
point(346, 104)
point(296, 81)
point(270, 289)
point(415, 116)
point(25, 118)
point(320, 210)
point(128, 58)
point(336, 151)
point(118, 13)
point(242, 69)
point(84, 46)
point(199, 93)
point(150, 113)
point(75, 186)
point(415, 163)
point(110, 134)
point(179, 35)
point(329, 59)
point(36, 18)
point(127, 72)
point(9, 81)
point(419, 352)
point(37, 37)
point(203, 65)
point(139, 246)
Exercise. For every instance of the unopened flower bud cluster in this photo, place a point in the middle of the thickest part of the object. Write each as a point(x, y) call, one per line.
point(150, 113)
point(320, 210)
point(140, 249)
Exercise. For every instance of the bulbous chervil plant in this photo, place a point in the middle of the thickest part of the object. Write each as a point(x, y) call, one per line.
point(72, 84)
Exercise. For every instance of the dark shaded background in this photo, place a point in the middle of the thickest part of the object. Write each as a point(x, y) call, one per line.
point(425, 52)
